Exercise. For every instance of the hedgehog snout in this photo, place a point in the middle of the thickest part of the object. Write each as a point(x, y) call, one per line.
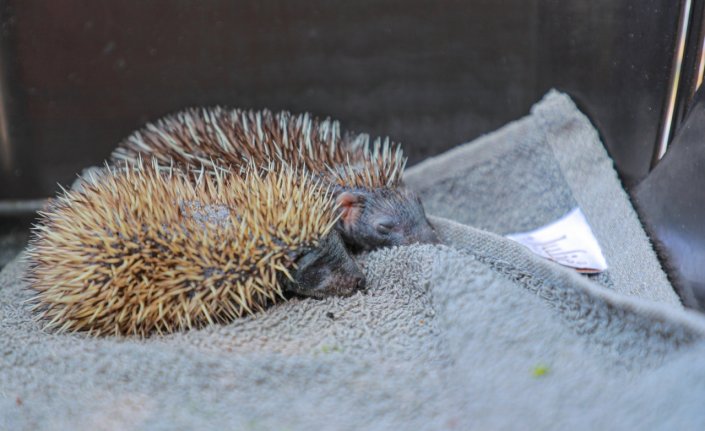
point(348, 285)
point(425, 234)
point(327, 270)
point(328, 281)
point(343, 277)
point(361, 283)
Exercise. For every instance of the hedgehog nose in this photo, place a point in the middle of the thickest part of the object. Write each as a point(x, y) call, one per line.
point(433, 238)
point(360, 282)
point(430, 236)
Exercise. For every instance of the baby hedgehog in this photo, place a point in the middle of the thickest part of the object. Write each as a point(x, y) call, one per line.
point(126, 255)
point(375, 210)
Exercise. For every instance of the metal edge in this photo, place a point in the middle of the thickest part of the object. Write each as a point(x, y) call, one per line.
point(664, 135)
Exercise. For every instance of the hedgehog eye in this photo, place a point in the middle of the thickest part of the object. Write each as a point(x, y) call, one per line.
point(385, 227)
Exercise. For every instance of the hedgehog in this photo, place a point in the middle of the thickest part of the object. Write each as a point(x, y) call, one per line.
point(126, 255)
point(375, 209)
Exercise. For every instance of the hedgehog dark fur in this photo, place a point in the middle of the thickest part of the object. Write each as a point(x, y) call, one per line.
point(375, 209)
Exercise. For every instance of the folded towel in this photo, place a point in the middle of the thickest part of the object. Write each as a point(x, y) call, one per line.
point(477, 333)
point(532, 172)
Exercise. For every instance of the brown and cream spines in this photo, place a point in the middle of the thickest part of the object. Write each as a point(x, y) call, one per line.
point(125, 255)
point(375, 211)
point(233, 137)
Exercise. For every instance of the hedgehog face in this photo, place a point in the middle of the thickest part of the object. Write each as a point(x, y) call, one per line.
point(384, 217)
point(326, 270)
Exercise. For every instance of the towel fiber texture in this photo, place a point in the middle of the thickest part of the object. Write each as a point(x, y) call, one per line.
point(476, 333)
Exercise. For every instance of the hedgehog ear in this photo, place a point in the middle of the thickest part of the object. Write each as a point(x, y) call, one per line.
point(350, 205)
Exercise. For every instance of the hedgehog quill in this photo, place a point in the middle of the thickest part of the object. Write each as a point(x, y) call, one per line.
point(375, 209)
point(124, 256)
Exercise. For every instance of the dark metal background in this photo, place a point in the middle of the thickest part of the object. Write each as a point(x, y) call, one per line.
point(693, 63)
point(77, 76)
point(671, 205)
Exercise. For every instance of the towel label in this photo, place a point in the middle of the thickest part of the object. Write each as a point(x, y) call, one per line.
point(568, 241)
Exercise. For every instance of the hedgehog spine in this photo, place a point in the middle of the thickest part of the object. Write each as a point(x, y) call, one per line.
point(124, 256)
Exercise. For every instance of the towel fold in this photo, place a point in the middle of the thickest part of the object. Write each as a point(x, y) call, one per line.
point(477, 333)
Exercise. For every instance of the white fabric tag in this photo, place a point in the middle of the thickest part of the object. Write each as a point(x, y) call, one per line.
point(568, 241)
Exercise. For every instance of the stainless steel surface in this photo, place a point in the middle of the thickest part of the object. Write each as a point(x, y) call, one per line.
point(671, 206)
point(691, 57)
point(6, 157)
point(19, 207)
point(699, 68)
point(675, 76)
point(14, 235)
point(82, 74)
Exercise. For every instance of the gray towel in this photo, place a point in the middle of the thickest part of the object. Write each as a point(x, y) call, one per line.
point(477, 333)
point(532, 172)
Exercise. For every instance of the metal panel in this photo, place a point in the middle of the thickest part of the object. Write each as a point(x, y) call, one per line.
point(77, 76)
point(671, 205)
